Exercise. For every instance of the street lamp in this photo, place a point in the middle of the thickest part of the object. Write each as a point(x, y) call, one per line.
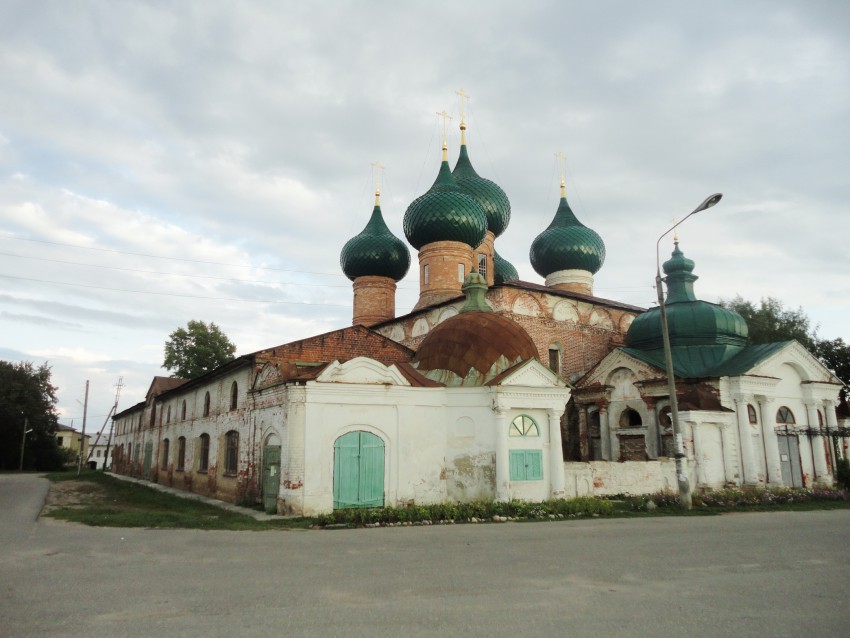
point(681, 470)
point(24, 441)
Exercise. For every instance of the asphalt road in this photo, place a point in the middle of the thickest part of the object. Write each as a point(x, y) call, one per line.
point(773, 574)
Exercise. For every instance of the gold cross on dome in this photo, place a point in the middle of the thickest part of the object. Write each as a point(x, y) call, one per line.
point(562, 169)
point(379, 168)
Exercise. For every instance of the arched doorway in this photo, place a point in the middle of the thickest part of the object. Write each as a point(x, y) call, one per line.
point(271, 473)
point(358, 471)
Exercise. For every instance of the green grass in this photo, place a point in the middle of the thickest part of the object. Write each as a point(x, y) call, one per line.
point(111, 502)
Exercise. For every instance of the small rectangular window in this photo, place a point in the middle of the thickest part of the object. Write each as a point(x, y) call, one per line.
point(555, 360)
point(482, 265)
point(460, 272)
point(526, 465)
point(425, 274)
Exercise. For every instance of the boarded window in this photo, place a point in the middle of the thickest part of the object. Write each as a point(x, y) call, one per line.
point(555, 359)
point(231, 452)
point(203, 452)
point(165, 446)
point(181, 453)
point(526, 465)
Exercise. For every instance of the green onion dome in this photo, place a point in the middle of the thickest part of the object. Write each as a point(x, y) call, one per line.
point(445, 213)
point(491, 197)
point(375, 252)
point(702, 334)
point(504, 270)
point(566, 244)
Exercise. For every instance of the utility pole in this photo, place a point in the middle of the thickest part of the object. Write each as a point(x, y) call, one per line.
point(24, 441)
point(83, 435)
point(113, 411)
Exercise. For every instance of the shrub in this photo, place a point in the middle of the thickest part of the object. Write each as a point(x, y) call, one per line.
point(842, 473)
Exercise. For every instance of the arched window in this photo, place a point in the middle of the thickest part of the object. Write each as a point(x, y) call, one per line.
point(203, 452)
point(168, 414)
point(181, 453)
point(630, 419)
point(165, 445)
point(784, 416)
point(153, 415)
point(231, 452)
point(751, 414)
point(207, 404)
point(183, 411)
point(234, 395)
point(523, 425)
point(555, 359)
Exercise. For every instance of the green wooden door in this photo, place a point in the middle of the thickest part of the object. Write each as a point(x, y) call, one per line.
point(146, 470)
point(271, 477)
point(358, 471)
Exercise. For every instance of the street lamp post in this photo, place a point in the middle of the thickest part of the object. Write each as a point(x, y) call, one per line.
point(24, 441)
point(681, 469)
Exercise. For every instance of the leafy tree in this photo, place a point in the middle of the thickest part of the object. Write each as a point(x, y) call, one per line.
point(770, 322)
point(197, 349)
point(27, 394)
point(835, 355)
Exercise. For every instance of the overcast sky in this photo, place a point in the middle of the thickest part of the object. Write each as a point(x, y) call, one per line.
point(168, 161)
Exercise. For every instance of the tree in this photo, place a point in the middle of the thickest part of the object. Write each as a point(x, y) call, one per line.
point(835, 355)
point(770, 322)
point(27, 396)
point(196, 349)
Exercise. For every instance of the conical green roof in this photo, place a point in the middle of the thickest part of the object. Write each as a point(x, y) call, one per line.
point(702, 334)
point(491, 197)
point(375, 252)
point(504, 270)
point(567, 244)
point(445, 213)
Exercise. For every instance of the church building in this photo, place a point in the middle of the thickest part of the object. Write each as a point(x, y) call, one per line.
point(490, 387)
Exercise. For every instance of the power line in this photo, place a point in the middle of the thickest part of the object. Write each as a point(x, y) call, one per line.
point(183, 259)
point(171, 294)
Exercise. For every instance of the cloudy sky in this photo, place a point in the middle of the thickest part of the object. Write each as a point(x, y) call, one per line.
point(168, 161)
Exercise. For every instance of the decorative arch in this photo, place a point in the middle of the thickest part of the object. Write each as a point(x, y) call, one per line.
point(601, 318)
point(527, 306)
point(565, 311)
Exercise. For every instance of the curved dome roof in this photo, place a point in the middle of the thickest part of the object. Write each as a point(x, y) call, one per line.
point(475, 345)
point(567, 244)
point(503, 269)
point(491, 197)
point(445, 213)
point(375, 252)
point(704, 333)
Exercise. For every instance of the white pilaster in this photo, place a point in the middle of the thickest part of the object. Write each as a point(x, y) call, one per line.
point(556, 456)
point(771, 445)
point(503, 471)
point(817, 444)
point(749, 473)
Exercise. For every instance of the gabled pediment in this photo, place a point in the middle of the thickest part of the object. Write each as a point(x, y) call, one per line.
point(531, 373)
point(794, 354)
point(362, 370)
point(601, 373)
